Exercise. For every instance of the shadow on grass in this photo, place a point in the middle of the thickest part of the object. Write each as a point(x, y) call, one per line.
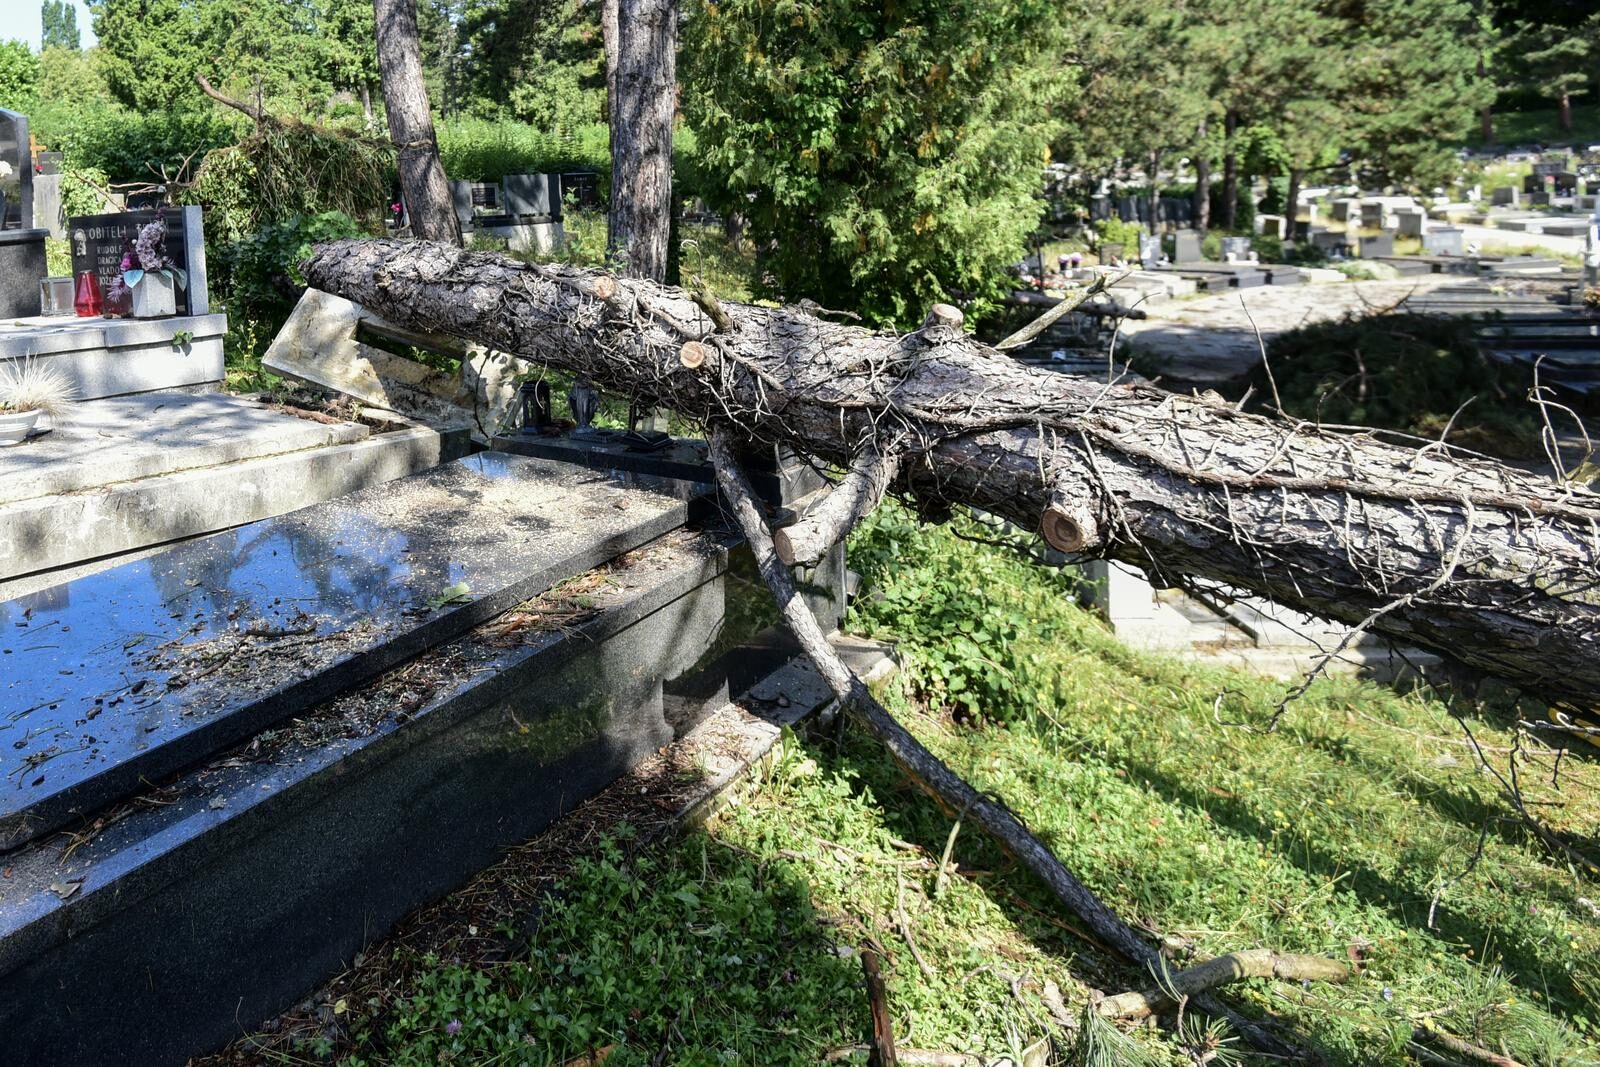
point(912, 817)
point(692, 952)
point(1526, 958)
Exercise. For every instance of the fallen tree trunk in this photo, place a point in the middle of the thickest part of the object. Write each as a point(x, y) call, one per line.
point(1486, 564)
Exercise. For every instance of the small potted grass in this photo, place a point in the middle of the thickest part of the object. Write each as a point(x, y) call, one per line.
point(30, 389)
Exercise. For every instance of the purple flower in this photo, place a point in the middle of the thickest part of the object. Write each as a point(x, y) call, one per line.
point(151, 245)
point(453, 1027)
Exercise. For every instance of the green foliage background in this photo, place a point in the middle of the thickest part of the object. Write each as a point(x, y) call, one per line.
point(893, 153)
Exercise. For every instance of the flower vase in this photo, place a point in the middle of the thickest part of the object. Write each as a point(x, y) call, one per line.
point(155, 297)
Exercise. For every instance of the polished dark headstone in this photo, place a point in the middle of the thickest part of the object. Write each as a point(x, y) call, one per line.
point(133, 673)
point(16, 173)
point(97, 243)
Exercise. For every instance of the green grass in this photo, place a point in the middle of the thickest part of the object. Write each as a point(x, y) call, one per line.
point(736, 944)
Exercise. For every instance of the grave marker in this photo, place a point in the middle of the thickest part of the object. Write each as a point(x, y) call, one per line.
point(1444, 241)
point(1186, 247)
point(98, 242)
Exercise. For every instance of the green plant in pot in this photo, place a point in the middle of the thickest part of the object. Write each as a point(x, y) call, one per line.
point(150, 277)
point(30, 389)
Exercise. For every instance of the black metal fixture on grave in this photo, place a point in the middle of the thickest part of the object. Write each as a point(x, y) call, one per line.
point(534, 404)
point(583, 400)
point(644, 432)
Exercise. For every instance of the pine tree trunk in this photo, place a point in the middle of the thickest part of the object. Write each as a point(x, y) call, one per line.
point(1230, 171)
point(641, 135)
point(608, 35)
point(1202, 182)
point(405, 96)
point(1291, 209)
point(1486, 112)
point(1154, 198)
point(1566, 112)
point(1492, 566)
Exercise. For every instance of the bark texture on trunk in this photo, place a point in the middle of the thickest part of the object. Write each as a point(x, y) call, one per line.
point(1230, 170)
point(405, 96)
point(1486, 112)
point(1291, 207)
point(642, 106)
point(608, 36)
point(1566, 112)
point(1202, 182)
point(1492, 566)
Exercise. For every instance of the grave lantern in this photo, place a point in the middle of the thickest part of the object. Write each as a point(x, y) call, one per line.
point(583, 399)
point(533, 398)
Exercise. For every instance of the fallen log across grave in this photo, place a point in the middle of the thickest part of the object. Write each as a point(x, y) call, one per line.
point(1492, 566)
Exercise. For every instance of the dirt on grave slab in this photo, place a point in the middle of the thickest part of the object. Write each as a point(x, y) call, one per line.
point(396, 694)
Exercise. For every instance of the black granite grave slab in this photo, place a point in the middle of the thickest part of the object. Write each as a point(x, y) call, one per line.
point(1282, 274)
point(775, 478)
point(259, 876)
point(136, 672)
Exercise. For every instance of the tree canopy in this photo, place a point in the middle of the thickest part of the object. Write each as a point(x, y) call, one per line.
point(59, 22)
point(893, 153)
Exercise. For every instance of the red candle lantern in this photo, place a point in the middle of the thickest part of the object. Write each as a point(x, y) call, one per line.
point(86, 300)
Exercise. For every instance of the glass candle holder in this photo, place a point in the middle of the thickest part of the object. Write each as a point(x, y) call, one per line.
point(87, 301)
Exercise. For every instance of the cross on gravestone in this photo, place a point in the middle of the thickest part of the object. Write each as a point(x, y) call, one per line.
point(98, 242)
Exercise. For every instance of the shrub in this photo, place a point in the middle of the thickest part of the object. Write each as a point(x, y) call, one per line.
point(129, 146)
point(1118, 232)
point(889, 154)
point(265, 267)
point(969, 617)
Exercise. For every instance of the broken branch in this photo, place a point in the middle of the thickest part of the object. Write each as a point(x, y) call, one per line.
point(1251, 963)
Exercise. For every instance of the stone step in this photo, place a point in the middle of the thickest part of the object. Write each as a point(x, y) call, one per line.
point(135, 672)
point(134, 471)
point(112, 357)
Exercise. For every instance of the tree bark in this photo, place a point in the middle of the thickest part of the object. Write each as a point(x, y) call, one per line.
point(608, 37)
point(1202, 182)
point(1230, 170)
point(1220, 970)
point(1154, 198)
point(1491, 566)
point(1566, 112)
point(405, 96)
point(1486, 112)
point(1291, 209)
point(642, 107)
